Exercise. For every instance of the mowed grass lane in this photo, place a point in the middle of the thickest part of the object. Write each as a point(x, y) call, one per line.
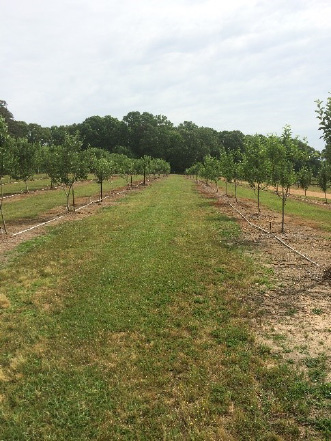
point(132, 325)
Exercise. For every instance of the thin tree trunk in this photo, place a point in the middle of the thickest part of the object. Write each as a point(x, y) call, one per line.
point(67, 197)
point(2, 216)
point(258, 198)
point(235, 189)
point(73, 197)
point(101, 181)
point(283, 209)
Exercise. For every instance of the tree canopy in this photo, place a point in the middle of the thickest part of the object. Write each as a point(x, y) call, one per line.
point(141, 134)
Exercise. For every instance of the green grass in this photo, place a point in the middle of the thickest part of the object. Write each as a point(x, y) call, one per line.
point(37, 183)
point(33, 205)
point(320, 216)
point(132, 325)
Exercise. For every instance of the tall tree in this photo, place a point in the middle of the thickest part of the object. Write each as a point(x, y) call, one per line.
point(233, 141)
point(103, 132)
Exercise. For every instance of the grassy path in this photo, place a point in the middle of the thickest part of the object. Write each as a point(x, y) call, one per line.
point(131, 325)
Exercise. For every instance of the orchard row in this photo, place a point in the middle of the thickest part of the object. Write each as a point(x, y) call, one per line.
point(266, 161)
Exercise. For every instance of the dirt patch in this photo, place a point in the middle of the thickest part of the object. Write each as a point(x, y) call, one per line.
point(291, 308)
point(312, 194)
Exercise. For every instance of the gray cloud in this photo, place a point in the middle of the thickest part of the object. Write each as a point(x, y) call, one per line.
point(253, 66)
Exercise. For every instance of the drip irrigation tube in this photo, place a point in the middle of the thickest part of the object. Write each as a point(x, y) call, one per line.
point(59, 217)
point(36, 226)
point(274, 236)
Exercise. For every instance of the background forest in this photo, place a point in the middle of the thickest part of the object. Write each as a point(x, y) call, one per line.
point(139, 134)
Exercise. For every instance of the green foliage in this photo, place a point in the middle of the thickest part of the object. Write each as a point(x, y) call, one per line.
point(324, 116)
point(67, 163)
point(103, 168)
point(24, 156)
point(144, 134)
point(5, 149)
point(304, 177)
point(324, 177)
point(210, 169)
point(256, 164)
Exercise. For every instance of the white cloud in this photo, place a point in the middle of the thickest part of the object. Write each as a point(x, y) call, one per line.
point(252, 66)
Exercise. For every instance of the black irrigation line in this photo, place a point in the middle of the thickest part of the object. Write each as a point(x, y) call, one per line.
point(275, 237)
point(63, 215)
point(232, 206)
point(268, 233)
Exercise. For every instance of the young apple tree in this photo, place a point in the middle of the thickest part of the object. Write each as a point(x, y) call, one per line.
point(304, 178)
point(230, 167)
point(323, 178)
point(285, 166)
point(72, 165)
point(324, 116)
point(24, 160)
point(144, 166)
point(103, 169)
point(256, 164)
point(5, 161)
point(211, 170)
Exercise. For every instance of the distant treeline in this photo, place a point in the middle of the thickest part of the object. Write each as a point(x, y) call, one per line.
point(139, 134)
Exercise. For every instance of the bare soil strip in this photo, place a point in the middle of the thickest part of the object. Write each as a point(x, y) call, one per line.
point(292, 313)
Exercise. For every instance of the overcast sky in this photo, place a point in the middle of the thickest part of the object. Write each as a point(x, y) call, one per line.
point(244, 65)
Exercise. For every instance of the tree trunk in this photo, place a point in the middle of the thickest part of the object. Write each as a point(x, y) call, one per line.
point(283, 209)
point(2, 216)
point(101, 182)
point(67, 197)
point(226, 188)
point(258, 198)
point(73, 197)
point(235, 189)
